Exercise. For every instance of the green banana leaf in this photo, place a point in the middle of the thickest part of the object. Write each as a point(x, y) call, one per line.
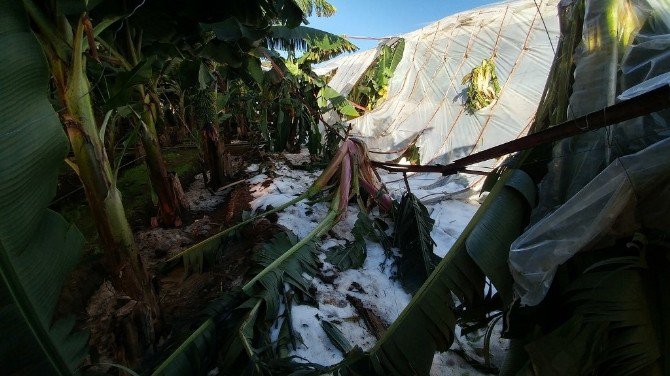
point(270, 279)
point(412, 235)
point(38, 248)
point(353, 254)
point(229, 322)
point(318, 45)
point(340, 103)
point(321, 8)
point(336, 336)
point(611, 330)
point(196, 354)
point(348, 256)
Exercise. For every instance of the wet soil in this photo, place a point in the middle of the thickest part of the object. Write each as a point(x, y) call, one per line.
point(91, 298)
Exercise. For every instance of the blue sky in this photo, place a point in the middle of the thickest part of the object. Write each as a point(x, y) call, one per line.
point(378, 18)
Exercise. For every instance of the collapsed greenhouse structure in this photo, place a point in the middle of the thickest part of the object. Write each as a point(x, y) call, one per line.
point(492, 198)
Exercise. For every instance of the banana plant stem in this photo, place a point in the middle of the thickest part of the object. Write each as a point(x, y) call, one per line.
point(229, 230)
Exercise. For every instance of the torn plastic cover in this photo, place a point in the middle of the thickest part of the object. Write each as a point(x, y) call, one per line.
point(349, 69)
point(632, 193)
point(569, 217)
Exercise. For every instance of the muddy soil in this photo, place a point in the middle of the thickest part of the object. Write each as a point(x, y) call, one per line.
point(91, 298)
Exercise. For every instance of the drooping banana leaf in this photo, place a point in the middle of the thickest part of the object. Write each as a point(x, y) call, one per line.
point(230, 321)
point(329, 95)
point(318, 45)
point(326, 93)
point(619, 299)
point(336, 336)
point(372, 87)
point(197, 353)
point(195, 255)
point(269, 279)
point(569, 349)
point(412, 235)
point(38, 248)
point(349, 256)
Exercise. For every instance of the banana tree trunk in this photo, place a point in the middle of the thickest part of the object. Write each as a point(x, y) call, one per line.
point(139, 316)
point(217, 159)
point(171, 200)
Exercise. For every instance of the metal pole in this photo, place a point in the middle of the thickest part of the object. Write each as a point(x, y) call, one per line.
point(644, 104)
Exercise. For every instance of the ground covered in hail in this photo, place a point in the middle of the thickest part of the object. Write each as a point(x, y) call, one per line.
point(363, 302)
point(360, 302)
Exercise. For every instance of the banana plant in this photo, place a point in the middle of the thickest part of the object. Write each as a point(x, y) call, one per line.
point(67, 37)
point(38, 248)
point(68, 69)
point(372, 88)
point(352, 170)
point(135, 84)
point(205, 116)
point(200, 92)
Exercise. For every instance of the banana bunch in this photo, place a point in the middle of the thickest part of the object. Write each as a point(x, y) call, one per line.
point(203, 107)
point(484, 87)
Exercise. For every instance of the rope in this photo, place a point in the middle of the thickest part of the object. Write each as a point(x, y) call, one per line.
point(364, 37)
point(545, 26)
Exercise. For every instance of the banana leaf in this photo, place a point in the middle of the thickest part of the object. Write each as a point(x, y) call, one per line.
point(229, 322)
point(611, 330)
point(352, 255)
point(336, 336)
point(38, 248)
point(318, 45)
point(348, 256)
point(412, 235)
point(269, 281)
point(322, 8)
point(197, 353)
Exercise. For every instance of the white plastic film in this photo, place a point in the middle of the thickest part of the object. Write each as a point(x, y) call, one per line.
point(632, 193)
point(625, 51)
point(425, 103)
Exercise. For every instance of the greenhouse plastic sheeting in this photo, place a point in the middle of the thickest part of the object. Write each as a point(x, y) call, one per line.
point(350, 68)
point(425, 103)
point(609, 65)
point(632, 193)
